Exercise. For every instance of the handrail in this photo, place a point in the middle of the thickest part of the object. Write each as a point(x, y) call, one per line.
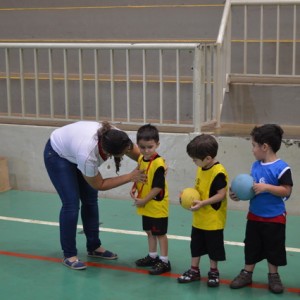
point(121, 46)
point(224, 21)
point(263, 79)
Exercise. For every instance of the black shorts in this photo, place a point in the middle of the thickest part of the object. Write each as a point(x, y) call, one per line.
point(265, 240)
point(157, 226)
point(209, 242)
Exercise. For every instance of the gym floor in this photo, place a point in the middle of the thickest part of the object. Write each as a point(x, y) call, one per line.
point(30, 255)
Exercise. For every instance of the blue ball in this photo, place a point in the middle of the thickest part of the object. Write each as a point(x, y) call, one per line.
point(242, 186)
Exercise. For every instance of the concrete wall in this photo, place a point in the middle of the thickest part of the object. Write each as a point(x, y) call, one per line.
point(23, 147)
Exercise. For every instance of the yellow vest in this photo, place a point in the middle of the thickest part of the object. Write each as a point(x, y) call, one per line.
point(154, 208)
point(207, 218)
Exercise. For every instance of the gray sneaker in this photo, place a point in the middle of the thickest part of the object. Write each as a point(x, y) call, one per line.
point(243, 279)
point(275, 284)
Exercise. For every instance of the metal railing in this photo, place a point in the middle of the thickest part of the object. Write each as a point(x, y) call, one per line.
point(258, 42)
point(169, 85)
point(177, 86)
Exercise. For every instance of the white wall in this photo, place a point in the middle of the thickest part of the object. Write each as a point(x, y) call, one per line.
point(23, 147)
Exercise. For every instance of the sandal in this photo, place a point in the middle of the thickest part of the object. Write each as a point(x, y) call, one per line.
point(75, 265)
point(104, 255)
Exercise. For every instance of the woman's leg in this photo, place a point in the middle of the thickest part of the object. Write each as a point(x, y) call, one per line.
point(89, 213)
point(63, 175)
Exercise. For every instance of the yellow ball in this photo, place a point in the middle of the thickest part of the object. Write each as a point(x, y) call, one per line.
point(187, 197)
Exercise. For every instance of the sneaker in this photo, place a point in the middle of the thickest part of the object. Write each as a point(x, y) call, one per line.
point(213, 279)
point(243, 279)
point(275, 284)
point(147, 261)
point(160, 267)
point(189, 276)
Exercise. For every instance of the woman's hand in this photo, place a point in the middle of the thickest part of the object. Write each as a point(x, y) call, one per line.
point(138, 176)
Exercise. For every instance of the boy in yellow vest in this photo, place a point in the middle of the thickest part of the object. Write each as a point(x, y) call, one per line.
point(152, 201)
point(209, 212)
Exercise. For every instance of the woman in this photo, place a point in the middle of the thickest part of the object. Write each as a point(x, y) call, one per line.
point(72, 158)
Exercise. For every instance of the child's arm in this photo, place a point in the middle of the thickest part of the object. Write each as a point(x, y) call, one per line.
point(151, 195)
point(218, 197)
point(280, 190)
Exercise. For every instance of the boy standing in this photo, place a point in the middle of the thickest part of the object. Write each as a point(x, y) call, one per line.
point(266, 219)
point(209, 212)
point(151, 200)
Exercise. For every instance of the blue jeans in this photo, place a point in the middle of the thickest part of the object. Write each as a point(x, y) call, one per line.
point(71, 188)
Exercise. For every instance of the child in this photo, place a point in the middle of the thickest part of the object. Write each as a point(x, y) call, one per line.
point(151, 200)
point(209, 212)
point(265, 230)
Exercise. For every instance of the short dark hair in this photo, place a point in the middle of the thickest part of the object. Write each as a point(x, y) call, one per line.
point(147, 132)
point(202, 146)
point(270, 134)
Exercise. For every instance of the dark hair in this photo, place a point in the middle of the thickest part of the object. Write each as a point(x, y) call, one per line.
point(147, 132)
point(270, 134)
point(113, 141)
point(201, 146)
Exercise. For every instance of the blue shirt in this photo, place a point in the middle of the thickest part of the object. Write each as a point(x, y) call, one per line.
point(266, 204)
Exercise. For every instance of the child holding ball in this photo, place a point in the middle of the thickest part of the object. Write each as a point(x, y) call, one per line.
point(266, 219)
point(209, 212)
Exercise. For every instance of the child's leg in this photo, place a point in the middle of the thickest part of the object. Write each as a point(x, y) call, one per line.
point(213, 275)
point(275, 284)
point(213, 264)
point(152, 258)
point(272, 268)
point(163, 244)
point(195, 263)
point(192, 274)
point(163, 265)
point(275, 254)
point(249, 268)
point(152, 242)
point(252, 253)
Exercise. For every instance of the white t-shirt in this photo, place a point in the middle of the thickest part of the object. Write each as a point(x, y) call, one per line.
point(78, 143)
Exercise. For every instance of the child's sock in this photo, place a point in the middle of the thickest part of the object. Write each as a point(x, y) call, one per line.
point(153, 254)
point(165, 259)
point(214, 270)
point(195, 269)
